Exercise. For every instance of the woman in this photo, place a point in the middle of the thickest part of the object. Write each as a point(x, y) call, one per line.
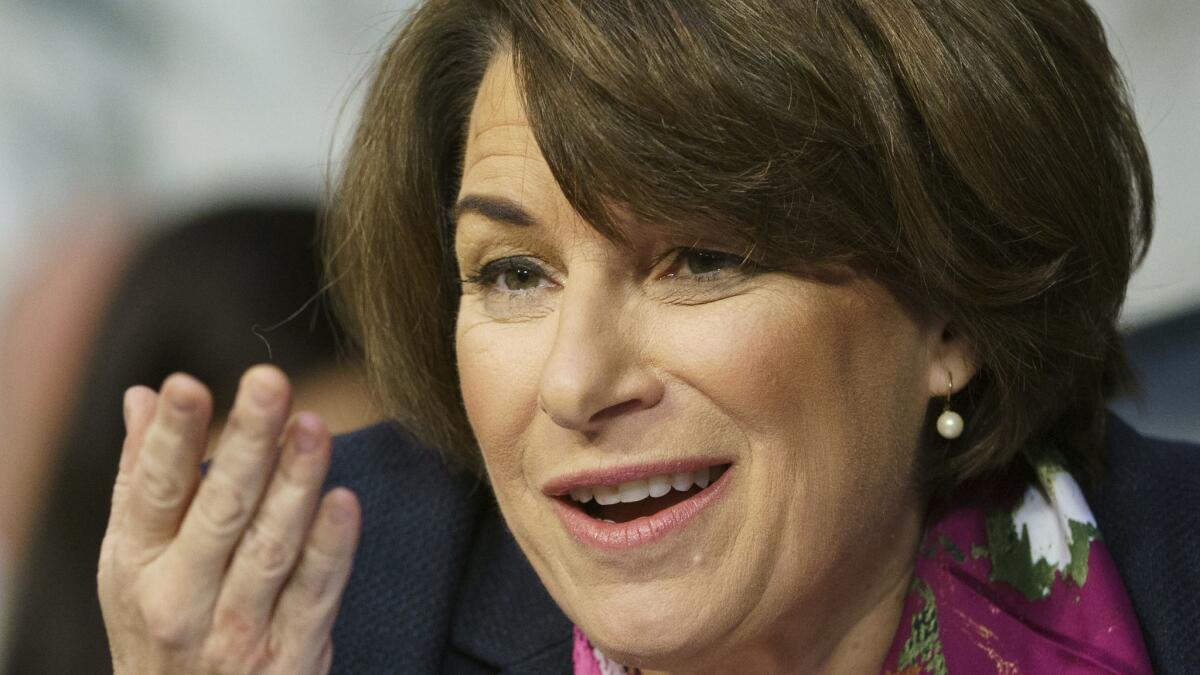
point(780, 331)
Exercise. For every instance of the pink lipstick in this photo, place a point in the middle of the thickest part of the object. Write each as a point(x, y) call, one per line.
point(603, 534)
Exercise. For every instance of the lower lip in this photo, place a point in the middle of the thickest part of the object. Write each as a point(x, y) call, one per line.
point(640, 531)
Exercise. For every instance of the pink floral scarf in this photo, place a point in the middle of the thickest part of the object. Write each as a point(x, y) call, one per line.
point(1008, 581)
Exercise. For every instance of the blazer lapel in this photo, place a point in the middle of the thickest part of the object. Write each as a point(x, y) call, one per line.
point(505, 621)
point(417, 526)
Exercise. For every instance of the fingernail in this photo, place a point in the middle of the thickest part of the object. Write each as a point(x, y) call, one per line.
point(263, 389)
point(262, 394)
point(127, 405)
point(340, 512)
point(180, 400)
point(306, 441)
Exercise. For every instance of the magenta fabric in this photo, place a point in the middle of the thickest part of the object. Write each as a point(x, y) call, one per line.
point(585, 661)
point(1009, 580)
point(967, 613)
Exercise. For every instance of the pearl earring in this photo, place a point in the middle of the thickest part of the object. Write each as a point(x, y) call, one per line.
point(949, 423)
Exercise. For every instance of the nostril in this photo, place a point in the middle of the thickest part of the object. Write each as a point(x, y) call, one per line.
point(618, 409)
point(584, 392)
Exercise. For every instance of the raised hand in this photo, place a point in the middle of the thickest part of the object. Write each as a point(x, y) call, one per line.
point(241, 571)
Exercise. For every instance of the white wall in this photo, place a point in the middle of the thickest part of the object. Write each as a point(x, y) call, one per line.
point(1158, 45)
point(151, 106)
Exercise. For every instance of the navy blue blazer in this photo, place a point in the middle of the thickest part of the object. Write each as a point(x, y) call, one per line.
point(440, 586)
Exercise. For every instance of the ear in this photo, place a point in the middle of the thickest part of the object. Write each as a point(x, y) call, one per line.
point(951, 358)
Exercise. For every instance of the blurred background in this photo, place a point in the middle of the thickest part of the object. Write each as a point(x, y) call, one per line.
point(165, 154)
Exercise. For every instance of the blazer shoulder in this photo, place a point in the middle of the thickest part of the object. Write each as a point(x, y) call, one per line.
point(1154, 472)
point(418, 521)
point(1148, 510)
point(383, 446)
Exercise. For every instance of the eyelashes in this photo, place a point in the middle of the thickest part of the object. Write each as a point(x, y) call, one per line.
point(706, 265)
point(519, 275)
point(518, 269)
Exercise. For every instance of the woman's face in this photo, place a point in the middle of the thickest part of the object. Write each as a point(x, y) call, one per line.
point(591, 368)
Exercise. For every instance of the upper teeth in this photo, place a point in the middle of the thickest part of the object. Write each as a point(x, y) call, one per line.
point(637, 490)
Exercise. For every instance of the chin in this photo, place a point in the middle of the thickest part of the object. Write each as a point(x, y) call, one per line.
point(654, 630)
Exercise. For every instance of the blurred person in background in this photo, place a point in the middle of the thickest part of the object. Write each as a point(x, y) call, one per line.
point(213, 295)
point(119, 115)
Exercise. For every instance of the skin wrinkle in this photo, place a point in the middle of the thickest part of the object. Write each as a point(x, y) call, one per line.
point(817, 391)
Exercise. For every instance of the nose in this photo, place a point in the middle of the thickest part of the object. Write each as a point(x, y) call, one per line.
point(596, 370)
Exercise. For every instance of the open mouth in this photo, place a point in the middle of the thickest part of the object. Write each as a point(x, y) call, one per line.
point(641, 498)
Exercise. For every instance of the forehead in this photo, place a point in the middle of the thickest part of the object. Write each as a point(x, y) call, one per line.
point(498, 101)
point(498, 132)
point(502, 157)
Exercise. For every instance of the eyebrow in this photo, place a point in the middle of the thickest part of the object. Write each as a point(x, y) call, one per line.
point(498, 209)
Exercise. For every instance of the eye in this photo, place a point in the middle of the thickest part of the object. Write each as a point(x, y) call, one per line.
point(509, 275)
point(704, 265)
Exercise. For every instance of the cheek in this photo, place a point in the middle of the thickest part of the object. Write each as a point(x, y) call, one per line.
point(795, 360)
point(823, 385)
point(498, 366)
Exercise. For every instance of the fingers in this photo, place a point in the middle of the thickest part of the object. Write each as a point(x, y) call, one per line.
point(229, 495)
point(269, 549)
point(172, 588)
point(138, 408)
point(308, 605)
point(165, 468)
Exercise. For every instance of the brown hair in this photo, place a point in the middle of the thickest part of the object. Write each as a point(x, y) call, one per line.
point(980, 159)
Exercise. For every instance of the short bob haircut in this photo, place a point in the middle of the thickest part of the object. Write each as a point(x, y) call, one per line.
point(979, 159)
